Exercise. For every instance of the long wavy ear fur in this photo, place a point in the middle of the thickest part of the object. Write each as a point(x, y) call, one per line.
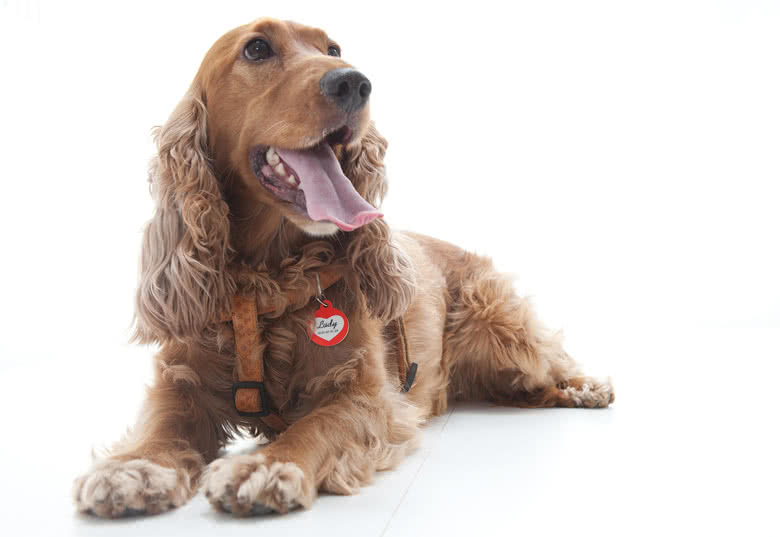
point(384, 271)
point(183, 282)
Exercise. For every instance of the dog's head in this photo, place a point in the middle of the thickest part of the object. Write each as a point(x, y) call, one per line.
point(275, 125)
point(282, 105)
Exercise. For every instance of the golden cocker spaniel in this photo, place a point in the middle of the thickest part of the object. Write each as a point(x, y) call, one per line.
point(268, 179)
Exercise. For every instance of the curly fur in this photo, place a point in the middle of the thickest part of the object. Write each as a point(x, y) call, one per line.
point(186, 245)
point(216, 231)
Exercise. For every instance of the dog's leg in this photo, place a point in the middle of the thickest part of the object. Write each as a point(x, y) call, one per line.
point(157, 465)
point(336, 448)
point(366, 426)
point(498, 351)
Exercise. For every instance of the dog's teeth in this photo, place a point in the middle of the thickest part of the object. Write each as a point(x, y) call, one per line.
point(272, 157)
point(280, 171)
point(292, 180)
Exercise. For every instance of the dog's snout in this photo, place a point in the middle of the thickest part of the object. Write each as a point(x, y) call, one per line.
point(348, 88)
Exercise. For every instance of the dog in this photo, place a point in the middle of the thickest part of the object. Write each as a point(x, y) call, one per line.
point(268, 181)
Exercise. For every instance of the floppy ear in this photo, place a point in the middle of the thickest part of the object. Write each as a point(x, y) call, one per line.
point(183, 283)
point(384, 271)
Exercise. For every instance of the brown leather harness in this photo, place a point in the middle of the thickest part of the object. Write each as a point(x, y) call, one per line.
point(249, 394)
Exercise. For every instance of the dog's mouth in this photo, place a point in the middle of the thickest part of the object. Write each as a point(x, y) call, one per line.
point(312, 182)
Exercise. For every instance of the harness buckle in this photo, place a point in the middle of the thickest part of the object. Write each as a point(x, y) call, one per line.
point(260, 387)
point(410, 375)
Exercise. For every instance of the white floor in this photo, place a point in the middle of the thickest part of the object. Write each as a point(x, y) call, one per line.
point(685, 450)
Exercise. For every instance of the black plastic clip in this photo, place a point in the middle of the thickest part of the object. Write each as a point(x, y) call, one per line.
point(410, 377)
point(260, 386)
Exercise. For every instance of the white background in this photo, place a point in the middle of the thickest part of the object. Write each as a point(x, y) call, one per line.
point(621, 158)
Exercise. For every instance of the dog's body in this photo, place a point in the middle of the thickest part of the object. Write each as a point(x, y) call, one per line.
point(228, 221)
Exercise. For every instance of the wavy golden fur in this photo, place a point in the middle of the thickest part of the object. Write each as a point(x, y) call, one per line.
point(217, 231)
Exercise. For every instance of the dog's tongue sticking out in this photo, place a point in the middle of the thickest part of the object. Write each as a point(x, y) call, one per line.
point(329, 194)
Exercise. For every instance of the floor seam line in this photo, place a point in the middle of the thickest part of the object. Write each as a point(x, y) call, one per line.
point(419, 468)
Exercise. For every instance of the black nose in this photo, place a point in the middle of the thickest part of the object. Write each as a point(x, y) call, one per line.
point(348, 88)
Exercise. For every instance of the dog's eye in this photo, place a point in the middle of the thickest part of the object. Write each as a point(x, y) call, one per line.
point(257, 50)
point(334, 51)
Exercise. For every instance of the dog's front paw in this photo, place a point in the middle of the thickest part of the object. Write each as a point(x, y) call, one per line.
point(114, 488)
point(252, 485)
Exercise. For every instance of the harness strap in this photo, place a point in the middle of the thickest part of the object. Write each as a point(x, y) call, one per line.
point(407, 370)
point(328, 277)
point(249, 393)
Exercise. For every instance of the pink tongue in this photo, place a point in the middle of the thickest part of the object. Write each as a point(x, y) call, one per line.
point(329, 194)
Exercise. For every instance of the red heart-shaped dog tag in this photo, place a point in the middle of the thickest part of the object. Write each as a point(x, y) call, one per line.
point(329, 325)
